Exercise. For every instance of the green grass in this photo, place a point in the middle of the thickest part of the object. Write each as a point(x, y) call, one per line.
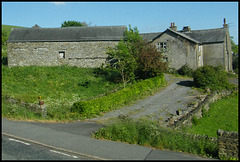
point(59, 87)
point(148, 133)
point(223, 114)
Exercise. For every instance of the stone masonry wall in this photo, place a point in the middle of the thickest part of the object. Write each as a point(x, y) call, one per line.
point(197, 111)
point(81, 54)
point(227, 144)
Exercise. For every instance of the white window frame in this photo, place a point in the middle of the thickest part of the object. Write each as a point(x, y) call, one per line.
point(161, 46)
point(62, 54)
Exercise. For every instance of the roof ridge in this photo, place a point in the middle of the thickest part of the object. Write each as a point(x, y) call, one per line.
point(205, 29)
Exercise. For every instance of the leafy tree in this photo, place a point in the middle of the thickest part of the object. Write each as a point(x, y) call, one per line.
point(135, 59)
point(150, 61)
point(235, 55)
point(234, 46)
point(73, 24)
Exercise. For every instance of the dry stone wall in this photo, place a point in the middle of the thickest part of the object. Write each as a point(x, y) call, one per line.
point(81, 54)
point(227, 144)
point(198, 110)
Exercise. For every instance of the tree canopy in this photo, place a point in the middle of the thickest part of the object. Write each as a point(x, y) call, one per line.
point(73, 24)
point(134, 58)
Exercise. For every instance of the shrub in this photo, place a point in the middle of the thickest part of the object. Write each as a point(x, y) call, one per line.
point(185, 70)
point(119, 98)
point(213, 77)
point(148, 133)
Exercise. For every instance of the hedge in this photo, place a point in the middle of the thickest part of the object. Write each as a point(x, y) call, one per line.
point(114, 100)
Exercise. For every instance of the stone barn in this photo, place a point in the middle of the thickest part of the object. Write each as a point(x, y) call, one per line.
point(73, 46)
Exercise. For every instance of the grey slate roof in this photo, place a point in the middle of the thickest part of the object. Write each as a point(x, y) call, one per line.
point(76, 34)
point(149, 36)
point(209, 35)
point(197, 36)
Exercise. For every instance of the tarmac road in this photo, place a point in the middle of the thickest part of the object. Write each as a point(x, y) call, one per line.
point(74, 138)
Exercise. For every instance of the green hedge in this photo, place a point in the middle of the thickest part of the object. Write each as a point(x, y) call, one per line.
point(120, 98)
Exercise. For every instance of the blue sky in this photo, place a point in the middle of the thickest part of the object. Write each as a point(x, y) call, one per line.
point(146, 16)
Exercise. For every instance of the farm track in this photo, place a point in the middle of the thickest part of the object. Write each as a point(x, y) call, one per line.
point(177, 95)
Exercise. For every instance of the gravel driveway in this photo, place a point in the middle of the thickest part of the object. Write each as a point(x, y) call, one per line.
point(176, 96)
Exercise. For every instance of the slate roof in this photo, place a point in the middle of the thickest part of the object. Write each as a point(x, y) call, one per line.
point(76, 34)
point(149, 36)
point(209, 35)
point(198, 36)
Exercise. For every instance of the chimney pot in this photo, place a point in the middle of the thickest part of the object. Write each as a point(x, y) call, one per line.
point(173, 27)
point(224, 23)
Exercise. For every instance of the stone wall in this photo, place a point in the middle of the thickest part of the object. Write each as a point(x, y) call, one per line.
point(179, 51)
point(81, 54)
point(198, 110)
point(227, 144)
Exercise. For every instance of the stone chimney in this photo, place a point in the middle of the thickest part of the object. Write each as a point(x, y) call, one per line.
point(173, 27)
point(224, 23)
point(36, 26)
point(186, 29)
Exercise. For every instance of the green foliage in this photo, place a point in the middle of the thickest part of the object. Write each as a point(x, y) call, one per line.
point(234, 46)
point(148, 133)
point(123, 56)
point(73, 24)
point(212, 77)
point(185, 70)
point(119, 98)
point(59, 86)
point(235, 62)
point(6, 30)
point(149, 61)
point(135, 59)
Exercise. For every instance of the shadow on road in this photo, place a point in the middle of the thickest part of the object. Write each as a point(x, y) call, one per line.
point(185, 83)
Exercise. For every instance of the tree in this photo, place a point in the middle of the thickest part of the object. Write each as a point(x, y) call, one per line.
point(135, 59)
point(235, 55)
point(150, 61)
point(73, 24)
point(234, 46)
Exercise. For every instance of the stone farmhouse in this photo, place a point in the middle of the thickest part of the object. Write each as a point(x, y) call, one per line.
point(193, 47)
point(87, 46)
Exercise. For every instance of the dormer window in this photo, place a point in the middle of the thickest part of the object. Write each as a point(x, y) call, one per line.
point(161, 46)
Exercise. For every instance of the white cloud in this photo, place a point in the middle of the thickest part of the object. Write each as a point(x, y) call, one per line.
point(59, 3)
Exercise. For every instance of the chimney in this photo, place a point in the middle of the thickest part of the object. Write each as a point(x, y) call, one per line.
point(36, 26)
point(186, 29)
point(224, 23)
point(173, 27)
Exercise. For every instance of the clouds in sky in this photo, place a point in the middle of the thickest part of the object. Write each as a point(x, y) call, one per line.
point(58, 3)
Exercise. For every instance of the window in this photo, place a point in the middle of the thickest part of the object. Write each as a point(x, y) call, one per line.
point(165, 58)
point(162, 46)
point(61, 54)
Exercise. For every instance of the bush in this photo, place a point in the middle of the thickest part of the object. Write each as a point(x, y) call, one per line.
point(214, 78)
point(148, 133)
point(185, 70)
point(120, 98)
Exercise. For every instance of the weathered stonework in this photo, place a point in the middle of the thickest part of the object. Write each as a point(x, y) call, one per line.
point(81, 54)
point(227, 144)
point(197, 111)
